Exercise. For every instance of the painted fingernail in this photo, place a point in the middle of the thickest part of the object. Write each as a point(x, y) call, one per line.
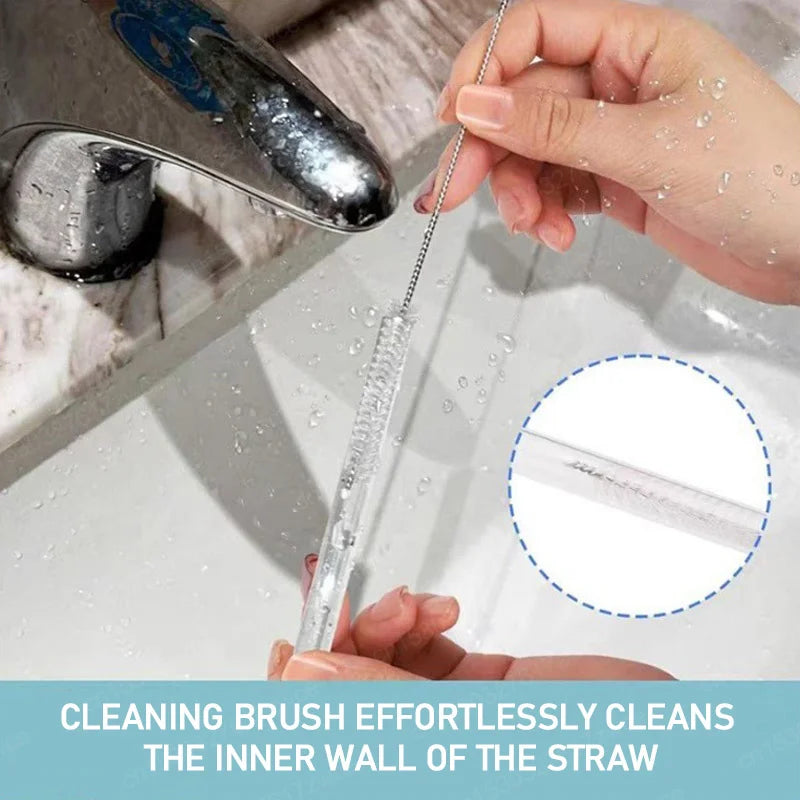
point(510, 210)
point(309, 565)
point(311, 667)
point(551, 236)
point(281, 652)
point(422, 203)
point(389, 606)
point(443, 103)
point(486, 107)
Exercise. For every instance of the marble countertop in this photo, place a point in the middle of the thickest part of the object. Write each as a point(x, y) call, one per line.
point(60, 341)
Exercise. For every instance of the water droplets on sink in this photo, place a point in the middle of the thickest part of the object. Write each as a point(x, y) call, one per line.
point(507, 341)
point(370, 317)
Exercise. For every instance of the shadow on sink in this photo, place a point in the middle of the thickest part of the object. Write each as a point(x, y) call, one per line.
point(243, 451)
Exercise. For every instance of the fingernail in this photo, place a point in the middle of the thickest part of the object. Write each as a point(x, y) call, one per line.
point(443, 103)
point(439, 604)
point(551, 236)
point(487, 107)
point(281, 652)
point(311, 667)
point(421, 204)
point(510, 210)
point(309, 565)
point(389, 606)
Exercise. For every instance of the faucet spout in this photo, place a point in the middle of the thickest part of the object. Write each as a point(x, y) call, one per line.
point(86, 116)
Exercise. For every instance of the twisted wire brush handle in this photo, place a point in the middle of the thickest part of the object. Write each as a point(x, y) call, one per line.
point(451, 167)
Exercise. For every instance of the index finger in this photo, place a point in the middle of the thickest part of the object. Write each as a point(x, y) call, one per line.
point(565, 32)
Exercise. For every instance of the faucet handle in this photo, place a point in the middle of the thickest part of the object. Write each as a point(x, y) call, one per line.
point(86, 117)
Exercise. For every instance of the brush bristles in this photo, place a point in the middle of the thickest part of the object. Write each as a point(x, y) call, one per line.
point(377, 399)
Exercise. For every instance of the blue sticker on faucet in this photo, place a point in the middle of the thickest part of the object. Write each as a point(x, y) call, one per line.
point(159, 33)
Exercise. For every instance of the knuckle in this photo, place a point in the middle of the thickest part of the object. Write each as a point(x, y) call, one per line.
point(554, 124)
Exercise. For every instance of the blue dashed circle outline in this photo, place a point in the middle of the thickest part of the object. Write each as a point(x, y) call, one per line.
point(768, 509)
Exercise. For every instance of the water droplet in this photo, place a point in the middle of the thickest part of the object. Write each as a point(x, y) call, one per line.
point(583, 163)
point(718, 87)
point(49, 554)
point(608, 202)
point(236, 389)
point(314, 360)
point(317, 113)
point(778, 170)
point(482, 396)
point(772, 258)
point(493, 359)
point(508, 342)
point(353, 311)
point(423, 486)
point(17, 555)
point(712, 140)
point(240, 442)
point(663, 192)
point(397, 441)
point(448, 405)
point(795, 179)
point(701, 85)
point(315, 418)
point(724, 182)
point(370, 318)
point(746, 214)
point(488, 290)
point(601, 108)
point(463, 382)
point(672, 143)
point(704, 119)
point(725, 240)
point(356, 346)
point(662, 133)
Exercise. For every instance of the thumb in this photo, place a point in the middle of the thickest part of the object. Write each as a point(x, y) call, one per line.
point(341, 667)
point(552, 127)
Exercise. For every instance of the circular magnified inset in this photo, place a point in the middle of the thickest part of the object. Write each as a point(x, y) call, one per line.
point(640, 486)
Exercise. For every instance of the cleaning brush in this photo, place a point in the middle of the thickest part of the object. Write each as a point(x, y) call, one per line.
point(345, 533)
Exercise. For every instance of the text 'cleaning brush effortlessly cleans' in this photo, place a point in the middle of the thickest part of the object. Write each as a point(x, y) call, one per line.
point(345, 533)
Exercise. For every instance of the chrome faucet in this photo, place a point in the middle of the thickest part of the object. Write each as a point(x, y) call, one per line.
point(95, 93)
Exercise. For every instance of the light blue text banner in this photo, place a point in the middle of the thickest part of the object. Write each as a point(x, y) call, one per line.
point(565, 740)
